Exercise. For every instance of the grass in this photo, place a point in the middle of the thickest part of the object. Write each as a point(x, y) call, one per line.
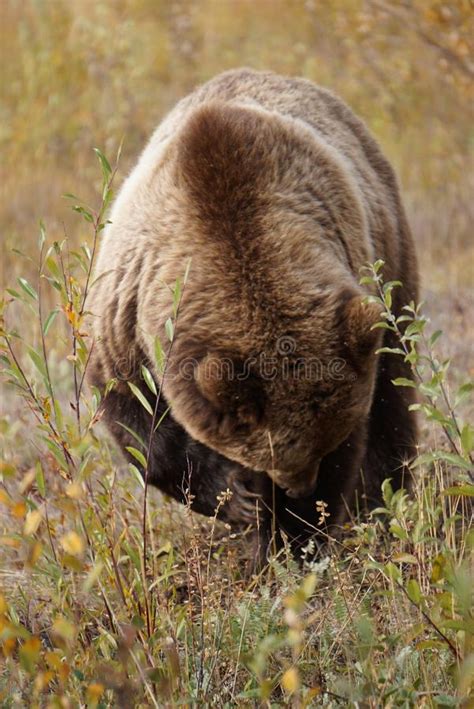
point(109, 601)
point(105, 601)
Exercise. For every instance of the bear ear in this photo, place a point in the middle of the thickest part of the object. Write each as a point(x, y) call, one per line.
point(359, 319)
point(230, 389)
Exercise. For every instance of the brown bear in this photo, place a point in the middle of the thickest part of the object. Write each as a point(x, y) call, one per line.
point(277, 195)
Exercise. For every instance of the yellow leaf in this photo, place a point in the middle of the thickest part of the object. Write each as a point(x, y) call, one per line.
point(64, 628)
point(64, 671)
point(32, 522)
point(3, 605)
point(4, 499)
point(34, 553)
point(290, 680)
point(95, 691)
point(92, 576)
point(29, 653)
point(10, 542)
point(75, 491)
point(72, 562)
point(19, 509)
point(72, 543)
point(53, 658)
point(7, 470)
point(27, 481)
point(42, 680)
point(8, 646)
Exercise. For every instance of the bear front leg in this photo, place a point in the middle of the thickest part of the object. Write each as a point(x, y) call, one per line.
point(184, 468)
point(253, 503)
point(392, 430)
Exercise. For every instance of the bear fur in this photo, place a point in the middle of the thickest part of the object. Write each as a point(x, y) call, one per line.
point(277, 195)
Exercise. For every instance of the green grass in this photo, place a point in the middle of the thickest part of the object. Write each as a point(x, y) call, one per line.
point(109, 602)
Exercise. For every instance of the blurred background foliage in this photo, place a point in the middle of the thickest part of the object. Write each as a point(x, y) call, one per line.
point(87, 73)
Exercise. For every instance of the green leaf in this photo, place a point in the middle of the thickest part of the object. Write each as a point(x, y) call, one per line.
point(49, 321)
point(467, 438)
point(378, 265)
point(434, 645)
point(435, 336)
point(403, 382)
point(466, 490)
point(159, 355)
point(169, 329)
point(186, 272)
point(390, 285)
point(390, 350)
point(42, 235)
point(52, 265)
point(176, 296)
point(434, 414)
point(372, 299)
point(28, 288)
point(20, 253)
point(149, 381)
point(414, 328)
point(141, 398)
point(382, 325)
point(40, 479)
point(392, 571)
point(463, 393)
point(309, 585)
point(37, 360)
point(104, 163)
point(138, 455)
point(431, 392)
point(453, 458)
point(424, 459)
point(398, 531)
point(387, 491)
point(57, 451)
point(84, 213)
point(158, 423)
point(456, 460)
point(135, 435)
point(137, 474)
point(413, 591)
point(405, 558)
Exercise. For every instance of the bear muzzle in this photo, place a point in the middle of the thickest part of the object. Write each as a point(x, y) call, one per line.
point(298, 485)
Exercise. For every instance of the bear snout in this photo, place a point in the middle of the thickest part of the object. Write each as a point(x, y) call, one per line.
point(298, 485)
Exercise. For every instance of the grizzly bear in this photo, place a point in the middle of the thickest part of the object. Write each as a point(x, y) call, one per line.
point(276, 195)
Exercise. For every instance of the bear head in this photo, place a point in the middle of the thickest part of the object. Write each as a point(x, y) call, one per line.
point(273, 361)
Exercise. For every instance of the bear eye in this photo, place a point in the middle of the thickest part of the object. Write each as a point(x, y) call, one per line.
point(319, 398)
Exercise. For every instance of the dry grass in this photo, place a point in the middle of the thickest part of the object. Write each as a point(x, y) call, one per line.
point(87, 616)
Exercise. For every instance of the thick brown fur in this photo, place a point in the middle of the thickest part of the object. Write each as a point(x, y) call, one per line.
point(278, 195)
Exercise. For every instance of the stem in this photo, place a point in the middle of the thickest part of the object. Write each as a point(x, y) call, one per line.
point(43, 341)
point(431, 622)
point(445, 395)
point(40, 408)
point(146, 471)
